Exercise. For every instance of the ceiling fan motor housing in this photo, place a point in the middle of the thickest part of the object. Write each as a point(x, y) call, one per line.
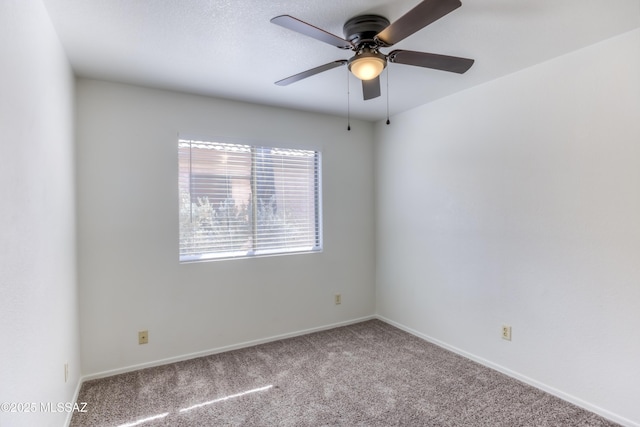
point(361, 30)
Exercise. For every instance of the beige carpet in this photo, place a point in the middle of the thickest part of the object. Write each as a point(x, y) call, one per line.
point(367, 374)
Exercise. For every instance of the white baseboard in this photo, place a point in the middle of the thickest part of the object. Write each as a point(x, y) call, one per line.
point(76, 393)
point(221, 349)
point(530, 381)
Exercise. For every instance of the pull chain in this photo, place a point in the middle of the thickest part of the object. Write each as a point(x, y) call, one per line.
point(348, 103)
point(388, 121)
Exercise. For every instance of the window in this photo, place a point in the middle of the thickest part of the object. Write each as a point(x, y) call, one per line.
point(241, 200)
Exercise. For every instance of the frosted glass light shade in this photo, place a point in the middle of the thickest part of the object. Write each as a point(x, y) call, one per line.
point(367, 67)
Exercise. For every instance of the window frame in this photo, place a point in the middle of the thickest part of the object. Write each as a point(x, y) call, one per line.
point(253, 251)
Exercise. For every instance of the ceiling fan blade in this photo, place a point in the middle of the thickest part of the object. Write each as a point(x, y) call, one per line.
point(302, 27)
point(311, 72)
point(417, 18)
point(453, 64)
point(371, 88)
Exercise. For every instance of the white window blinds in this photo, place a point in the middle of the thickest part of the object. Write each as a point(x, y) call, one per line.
point(241, 200)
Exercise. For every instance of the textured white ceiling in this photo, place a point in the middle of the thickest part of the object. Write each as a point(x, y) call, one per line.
point(229, 49)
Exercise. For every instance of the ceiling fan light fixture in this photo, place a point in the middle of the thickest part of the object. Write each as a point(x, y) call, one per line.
point(367, 65)
point(366, 34)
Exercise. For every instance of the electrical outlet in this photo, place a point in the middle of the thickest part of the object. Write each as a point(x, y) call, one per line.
point(506, 332)
point(66, 372)
point(338, 299)
point(143, 337)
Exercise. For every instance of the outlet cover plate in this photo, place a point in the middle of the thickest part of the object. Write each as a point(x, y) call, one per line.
point(506, 332)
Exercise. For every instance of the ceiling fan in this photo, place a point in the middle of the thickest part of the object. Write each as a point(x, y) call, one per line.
point(367, 34)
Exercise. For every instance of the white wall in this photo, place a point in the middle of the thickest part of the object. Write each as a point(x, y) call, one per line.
point(518, 202)
point(38, 302)
point(129, 274)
